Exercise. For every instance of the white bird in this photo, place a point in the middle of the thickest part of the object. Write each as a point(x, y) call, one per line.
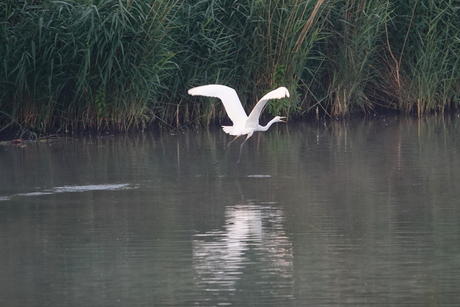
point(242, 124)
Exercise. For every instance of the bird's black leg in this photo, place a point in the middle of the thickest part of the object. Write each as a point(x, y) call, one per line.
point(241, 148)
point(228, 145)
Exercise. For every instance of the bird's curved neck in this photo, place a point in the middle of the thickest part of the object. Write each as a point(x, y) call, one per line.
point(267, 126)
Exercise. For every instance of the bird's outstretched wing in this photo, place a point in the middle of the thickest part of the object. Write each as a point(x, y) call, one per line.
point(227, 95)
point(253, 118)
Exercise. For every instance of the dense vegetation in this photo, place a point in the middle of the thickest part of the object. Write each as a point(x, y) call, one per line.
point(124, 64)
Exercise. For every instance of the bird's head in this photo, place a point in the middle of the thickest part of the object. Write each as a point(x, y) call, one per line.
point(281, 119)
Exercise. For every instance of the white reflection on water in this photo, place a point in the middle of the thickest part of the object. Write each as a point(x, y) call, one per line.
point(259, 176)
point(92, 187)
point(76, 188)
point(252, 248)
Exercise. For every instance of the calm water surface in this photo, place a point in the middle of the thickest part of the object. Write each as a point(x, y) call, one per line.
point(320, 214)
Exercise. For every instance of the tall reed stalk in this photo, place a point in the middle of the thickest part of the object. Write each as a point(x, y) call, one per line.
point(352, 51)
point(286, 33)
point(433, 67)
point(422, 72)
point(213, 45)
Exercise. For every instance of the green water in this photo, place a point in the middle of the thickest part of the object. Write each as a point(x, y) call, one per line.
point(320, 214)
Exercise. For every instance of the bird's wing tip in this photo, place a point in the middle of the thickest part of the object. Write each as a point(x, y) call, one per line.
point(192, 91)
point(283, 92)
point(210, 90)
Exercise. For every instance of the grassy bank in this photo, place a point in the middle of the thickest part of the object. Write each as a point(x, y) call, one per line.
point(121, 65)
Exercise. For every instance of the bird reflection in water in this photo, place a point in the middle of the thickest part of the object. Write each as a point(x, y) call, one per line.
point(252, 248)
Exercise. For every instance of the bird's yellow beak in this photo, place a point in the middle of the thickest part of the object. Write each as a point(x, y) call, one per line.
point(283, 119)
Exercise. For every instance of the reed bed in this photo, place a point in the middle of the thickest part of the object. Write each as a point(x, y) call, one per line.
point(120, 65)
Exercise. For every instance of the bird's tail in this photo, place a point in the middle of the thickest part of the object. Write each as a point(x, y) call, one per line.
point(227, 129)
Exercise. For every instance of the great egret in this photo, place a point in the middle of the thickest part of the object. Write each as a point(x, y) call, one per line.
point(242, 124)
